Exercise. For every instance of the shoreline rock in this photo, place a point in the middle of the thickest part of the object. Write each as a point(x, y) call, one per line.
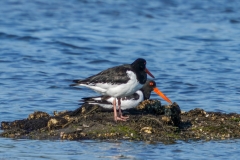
point(150, 121)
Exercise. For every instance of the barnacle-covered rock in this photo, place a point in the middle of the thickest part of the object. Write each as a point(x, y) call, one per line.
point(150, 121)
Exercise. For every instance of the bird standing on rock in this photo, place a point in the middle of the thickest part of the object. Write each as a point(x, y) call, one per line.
point(118, 82)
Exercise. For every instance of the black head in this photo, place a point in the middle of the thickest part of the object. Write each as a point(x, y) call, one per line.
point(139, 64)
point(139, 67)
point(148, 88)
point(150, 84)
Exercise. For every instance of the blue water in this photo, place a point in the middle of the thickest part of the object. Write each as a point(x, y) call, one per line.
point(191, 47)
point(34, 149)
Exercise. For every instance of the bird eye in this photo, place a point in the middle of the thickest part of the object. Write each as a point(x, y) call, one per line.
point(151, 83)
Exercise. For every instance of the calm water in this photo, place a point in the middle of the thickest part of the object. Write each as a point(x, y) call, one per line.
point(192, 48)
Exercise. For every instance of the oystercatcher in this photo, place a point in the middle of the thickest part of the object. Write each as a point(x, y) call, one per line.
point(129, 101)
point(118, 82)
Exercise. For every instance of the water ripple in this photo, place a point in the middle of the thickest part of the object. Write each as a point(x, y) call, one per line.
point(191, 47)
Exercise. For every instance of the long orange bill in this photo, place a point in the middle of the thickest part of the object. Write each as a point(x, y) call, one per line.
point(149, 73)
point(156, 90)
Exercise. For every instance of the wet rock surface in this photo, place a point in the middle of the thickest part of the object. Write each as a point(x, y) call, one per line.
point(150, 121)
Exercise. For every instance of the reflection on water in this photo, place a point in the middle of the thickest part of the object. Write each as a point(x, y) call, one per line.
point(190, 47)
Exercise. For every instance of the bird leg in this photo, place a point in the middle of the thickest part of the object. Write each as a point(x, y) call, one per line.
point(120, 111)
point(116, 118)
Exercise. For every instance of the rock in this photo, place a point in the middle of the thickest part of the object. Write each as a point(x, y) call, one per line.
point(38, 114)
point(150, 121)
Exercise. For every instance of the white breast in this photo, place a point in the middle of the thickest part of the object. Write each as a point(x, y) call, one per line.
point(127, 104)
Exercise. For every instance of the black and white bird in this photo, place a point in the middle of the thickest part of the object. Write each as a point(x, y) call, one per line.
point(128, 102)
point(118, 82)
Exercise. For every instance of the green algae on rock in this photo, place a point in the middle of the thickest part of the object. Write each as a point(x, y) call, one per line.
point(149, 121)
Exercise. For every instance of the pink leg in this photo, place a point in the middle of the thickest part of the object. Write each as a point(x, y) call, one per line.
point(120, 111)
point(116, 118)
point(114, 109)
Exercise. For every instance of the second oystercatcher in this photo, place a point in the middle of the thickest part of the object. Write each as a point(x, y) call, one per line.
point(129, 101)
point(118, 82)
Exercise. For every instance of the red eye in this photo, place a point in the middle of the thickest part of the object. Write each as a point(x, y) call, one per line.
point(151, 83)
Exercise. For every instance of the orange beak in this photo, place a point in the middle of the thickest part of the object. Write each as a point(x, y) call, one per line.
point(149, 73)
point(156, 90)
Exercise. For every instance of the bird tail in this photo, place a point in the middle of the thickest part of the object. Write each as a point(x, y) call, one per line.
point(75, 82)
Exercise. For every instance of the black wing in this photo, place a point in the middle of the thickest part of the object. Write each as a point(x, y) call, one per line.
point(115, 75)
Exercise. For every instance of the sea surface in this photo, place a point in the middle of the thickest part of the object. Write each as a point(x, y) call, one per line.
point(191, 47)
